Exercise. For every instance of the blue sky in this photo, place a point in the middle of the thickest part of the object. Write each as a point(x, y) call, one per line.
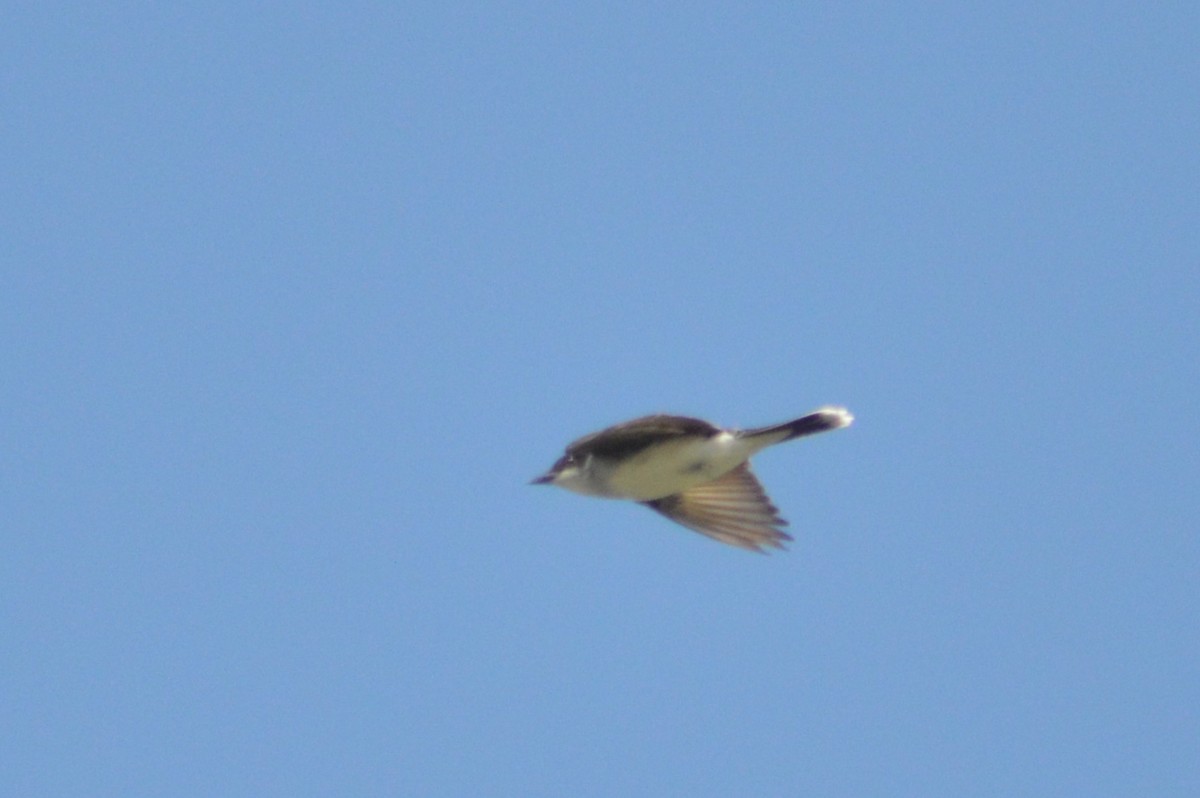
point(296, 298)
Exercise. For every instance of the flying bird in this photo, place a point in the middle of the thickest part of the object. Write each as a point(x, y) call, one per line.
point(691, 471)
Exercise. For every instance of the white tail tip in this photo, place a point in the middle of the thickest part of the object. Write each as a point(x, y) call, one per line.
point(837, 417)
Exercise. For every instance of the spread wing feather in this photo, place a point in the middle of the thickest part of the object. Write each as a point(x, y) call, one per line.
point(733, 509)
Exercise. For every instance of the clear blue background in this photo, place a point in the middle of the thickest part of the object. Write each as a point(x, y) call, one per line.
point(296, 297)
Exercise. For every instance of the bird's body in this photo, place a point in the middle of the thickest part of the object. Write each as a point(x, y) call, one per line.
point(693, 472)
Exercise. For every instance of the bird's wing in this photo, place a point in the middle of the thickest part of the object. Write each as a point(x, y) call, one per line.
point(631, 437)
point(733, 509)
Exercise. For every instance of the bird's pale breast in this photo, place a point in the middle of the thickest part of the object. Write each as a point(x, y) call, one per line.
point(673, 467)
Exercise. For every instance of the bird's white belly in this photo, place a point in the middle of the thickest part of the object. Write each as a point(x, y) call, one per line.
point(671, 468)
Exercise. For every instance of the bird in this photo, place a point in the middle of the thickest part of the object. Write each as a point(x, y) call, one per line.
point(689, 470)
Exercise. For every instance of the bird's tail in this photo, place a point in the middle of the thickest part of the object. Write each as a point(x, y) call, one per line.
point(822, 419)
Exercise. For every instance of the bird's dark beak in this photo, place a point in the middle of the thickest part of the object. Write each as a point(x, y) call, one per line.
point(544, 479)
